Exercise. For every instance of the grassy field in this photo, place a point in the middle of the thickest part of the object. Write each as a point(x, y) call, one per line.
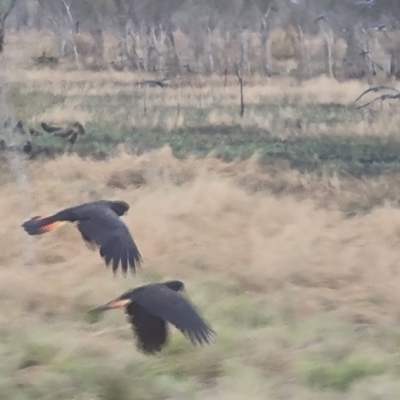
point(314, 127)
point(284, 225)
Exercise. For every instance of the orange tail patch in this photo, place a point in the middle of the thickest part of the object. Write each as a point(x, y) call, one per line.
point(50, 227)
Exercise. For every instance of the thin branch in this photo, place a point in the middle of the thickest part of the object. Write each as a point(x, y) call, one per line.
point(145, 101)
point(383, 97)
point(375, 89)
point(240, 79)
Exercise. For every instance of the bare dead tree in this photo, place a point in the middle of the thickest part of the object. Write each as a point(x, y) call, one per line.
point(327, 34)
point(242, 55)
point(129, 42)
point(265, 32)
point(159, 37)
point(305, 57)
point(208, 50)
point(68, 9)
point(240, 79)
point(3, 23)
point(126, 55)
point(144, 43)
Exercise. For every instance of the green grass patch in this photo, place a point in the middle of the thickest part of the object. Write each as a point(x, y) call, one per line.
point(357, 156)
point(337, 152)
point(322, 373)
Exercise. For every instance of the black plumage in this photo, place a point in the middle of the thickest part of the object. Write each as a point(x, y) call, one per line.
point(48, 128)
point(151, 307)
point(100, 226)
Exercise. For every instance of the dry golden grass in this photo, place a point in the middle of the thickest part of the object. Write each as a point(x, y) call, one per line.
point(317, 90)
point(249, 260)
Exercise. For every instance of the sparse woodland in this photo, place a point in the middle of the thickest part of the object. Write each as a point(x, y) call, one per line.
point(304, 38)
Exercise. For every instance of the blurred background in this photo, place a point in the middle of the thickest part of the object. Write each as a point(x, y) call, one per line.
point(303, 38)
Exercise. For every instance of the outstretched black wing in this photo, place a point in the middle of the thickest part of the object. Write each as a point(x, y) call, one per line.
point(105, 229)
point(98, 225)
point(151, 331)
point(48, 128)
point(171, 306)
